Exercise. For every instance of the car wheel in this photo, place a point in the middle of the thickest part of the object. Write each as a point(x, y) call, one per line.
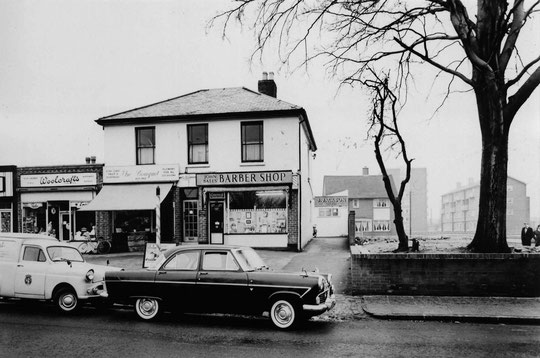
point(66, 300)
point(284, 314)
point(147, 308)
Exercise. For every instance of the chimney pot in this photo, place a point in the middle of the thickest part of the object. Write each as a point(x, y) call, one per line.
point(365, 171)
point(87, 160)
point(271, 76)
point(93, 159)
point(267, 85)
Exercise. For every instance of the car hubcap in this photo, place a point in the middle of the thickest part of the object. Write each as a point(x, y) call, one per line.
point(68, 301)
point(148, 307)
point(283, 313)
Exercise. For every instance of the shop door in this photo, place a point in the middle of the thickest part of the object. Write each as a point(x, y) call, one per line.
point(216, 221)
point(191, 221)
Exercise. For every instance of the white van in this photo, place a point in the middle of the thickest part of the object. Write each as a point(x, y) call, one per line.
point(40, 267)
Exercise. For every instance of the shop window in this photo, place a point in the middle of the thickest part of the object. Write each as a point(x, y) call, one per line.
point(257, 212)
point(133, 221)
point(381, 225)
point(34, 218)
point(5, 221)
point(252, 142)
point(327, 212)
point(197, 143)
point(2, 184)
point(146, 145)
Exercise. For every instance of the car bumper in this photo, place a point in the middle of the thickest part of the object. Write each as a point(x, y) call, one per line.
point(97, 291)
point(322, 307)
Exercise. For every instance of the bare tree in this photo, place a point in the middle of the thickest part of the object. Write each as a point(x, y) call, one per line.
point(385, 129)
point(479, 52)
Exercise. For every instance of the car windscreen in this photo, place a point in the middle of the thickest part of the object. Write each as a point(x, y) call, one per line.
point(249, 259)
point(62, 253)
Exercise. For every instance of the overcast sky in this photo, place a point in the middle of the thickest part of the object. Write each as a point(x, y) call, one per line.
point(66, 63)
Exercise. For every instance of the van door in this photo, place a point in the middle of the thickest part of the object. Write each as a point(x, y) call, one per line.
point(31, 273)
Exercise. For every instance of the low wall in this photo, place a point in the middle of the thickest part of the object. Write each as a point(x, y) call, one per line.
point(514, 275)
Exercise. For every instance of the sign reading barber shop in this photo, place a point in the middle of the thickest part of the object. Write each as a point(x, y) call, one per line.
point(140, 173)
point(244, 178)
point(69, 179)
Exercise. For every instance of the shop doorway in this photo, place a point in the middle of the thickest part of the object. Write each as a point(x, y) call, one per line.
point(65, 226)
point(216, 209)
point(191, 219)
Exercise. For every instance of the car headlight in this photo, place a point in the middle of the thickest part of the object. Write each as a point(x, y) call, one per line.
point(90, 275)
point(321, 283)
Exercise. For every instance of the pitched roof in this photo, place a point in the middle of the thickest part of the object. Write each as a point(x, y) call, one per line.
point(359, 186)
point(206, 102)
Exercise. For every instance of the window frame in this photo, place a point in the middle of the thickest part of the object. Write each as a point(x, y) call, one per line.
point(191, 145)
point(244, 143)
point(139, 147)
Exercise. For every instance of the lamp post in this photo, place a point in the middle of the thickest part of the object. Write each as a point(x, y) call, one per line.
point(158, 216)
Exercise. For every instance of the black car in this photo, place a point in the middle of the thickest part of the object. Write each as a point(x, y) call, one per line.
point(221, 279)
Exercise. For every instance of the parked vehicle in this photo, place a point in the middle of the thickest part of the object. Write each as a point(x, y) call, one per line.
point(42, 268)
point(221, 279)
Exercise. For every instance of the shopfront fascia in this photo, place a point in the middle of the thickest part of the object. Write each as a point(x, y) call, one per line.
point(248, 208)
point(136, 205)
point(49, 203)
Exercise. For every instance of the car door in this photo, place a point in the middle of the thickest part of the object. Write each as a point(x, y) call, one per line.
point(31, 273)
point(175, 280)
point(222, 286)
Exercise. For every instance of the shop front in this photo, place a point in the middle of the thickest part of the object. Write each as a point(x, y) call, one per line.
point(8, 206)
point(51, 196)
point(247, 208)
point(136, 206)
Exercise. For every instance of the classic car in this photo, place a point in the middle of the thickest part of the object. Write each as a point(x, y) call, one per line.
point(42, 268)
point(221, 279)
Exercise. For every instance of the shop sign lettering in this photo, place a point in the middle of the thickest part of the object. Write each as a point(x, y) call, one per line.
point(244, 178)
point(46, 180)
point(330, 201)
point(140, 174)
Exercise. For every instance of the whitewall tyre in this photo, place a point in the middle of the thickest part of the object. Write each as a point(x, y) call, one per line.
point(147, 308)
point(283, 314)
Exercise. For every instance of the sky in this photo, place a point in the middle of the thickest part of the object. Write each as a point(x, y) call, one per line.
point(66, 63)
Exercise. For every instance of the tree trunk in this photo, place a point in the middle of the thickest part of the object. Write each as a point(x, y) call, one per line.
point(490, 235)
point(403, 245)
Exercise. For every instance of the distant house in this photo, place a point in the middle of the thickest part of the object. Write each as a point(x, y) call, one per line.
point(459, 207)
point(368, 199)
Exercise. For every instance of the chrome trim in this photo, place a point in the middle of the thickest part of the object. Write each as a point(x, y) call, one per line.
point(323, 307)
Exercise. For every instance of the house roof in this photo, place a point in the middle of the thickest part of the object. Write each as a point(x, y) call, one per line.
point(217, 103)
point(359, 186)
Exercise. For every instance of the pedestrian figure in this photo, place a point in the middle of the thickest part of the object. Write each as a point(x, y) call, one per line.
point(526, 235)
point(537, 236)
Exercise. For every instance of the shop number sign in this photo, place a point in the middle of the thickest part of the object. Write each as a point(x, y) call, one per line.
point(244, 178)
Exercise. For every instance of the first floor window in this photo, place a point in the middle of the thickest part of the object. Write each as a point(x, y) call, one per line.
point(252, 142)
point(197, 143)
point(381, 203)
point(146, 145)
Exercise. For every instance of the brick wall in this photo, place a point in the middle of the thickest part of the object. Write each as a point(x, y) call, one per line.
point(293, 219)
point(445, 274)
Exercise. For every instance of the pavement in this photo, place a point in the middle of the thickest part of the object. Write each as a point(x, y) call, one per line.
point(332, 255)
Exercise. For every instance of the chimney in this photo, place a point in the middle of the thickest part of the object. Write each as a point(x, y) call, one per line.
point(267, 85)
point(93, 159)
point(365, 171)
point(87, 160)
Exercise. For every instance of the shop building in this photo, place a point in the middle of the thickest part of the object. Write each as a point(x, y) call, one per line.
point(49, 198)
point(8, 198)
point(244, 165)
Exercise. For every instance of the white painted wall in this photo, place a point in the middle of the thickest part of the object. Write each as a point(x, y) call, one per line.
point(306, 223)
point(224, 138)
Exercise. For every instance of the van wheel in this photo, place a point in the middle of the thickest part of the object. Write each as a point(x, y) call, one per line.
point(66, 300)
point(147, 308)
point(284, 314)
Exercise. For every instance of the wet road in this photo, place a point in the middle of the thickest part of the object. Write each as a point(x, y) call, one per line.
point(37, 330)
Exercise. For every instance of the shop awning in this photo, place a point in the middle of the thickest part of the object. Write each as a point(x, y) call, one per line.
point(127, 197)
